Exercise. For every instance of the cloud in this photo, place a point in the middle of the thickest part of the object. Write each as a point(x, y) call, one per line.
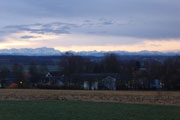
point(127, 18)
point(100, 22)
point(56, 28)
point(28, 37)
point(84, 26)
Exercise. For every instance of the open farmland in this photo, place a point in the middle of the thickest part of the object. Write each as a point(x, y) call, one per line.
point(138, 97)
point(54, 110)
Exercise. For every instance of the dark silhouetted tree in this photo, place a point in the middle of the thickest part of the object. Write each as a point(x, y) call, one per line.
point(111, 63)
point(18, 70)
point(33, 70)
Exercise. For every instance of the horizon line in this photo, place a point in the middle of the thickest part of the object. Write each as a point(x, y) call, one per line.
point(175, 51)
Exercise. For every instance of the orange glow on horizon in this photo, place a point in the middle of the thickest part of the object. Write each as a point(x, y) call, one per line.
point(64, 42)
point(162, 46)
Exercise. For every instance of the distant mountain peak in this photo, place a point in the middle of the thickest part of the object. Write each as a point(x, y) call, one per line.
point(45, 51)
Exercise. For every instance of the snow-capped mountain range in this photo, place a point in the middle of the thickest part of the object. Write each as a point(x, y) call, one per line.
point(44, 51)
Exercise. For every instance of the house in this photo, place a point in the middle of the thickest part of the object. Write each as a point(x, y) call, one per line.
point(157, 84)
point(96, 81)
point(109, 83)
point(90, 81)
point(86, 85)
point(139, 80)
point(47, 80)
point(90, 85)
point(87, 81)
point(52, 79)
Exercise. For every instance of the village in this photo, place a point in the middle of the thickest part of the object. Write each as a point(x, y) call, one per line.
point(71, 77)
point(52, 80)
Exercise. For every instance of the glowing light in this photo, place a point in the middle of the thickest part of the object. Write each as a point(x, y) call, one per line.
point(21, 82)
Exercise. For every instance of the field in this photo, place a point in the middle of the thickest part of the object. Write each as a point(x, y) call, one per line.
point(55, 110)
point(135, 97)
point(24, 104)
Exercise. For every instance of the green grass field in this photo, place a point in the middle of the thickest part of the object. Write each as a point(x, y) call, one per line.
point(54, 110)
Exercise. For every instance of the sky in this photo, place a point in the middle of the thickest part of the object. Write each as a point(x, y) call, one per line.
point(86, 25)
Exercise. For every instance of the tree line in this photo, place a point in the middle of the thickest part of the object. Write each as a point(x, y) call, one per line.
point(130, 70)
point(167, 71)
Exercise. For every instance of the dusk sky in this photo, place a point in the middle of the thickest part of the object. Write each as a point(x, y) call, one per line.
point(85, 25)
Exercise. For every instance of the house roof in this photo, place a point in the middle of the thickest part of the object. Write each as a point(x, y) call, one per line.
point(55, 73)
point(96, 76)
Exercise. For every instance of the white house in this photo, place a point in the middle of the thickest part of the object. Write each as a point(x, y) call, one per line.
point(90, 85)
point(109, 83)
